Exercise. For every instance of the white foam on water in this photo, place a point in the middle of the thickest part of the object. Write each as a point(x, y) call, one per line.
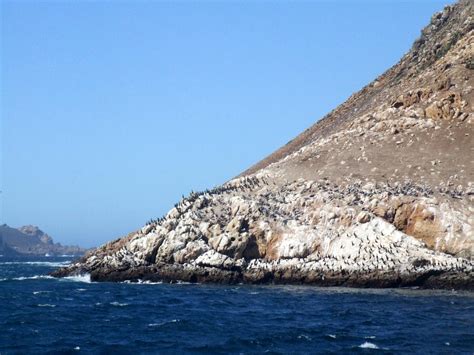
point(304, 336)
point(148, 282)
point(40, 292)
point(370, 337)
point(117, 304)
point(367, 345)
point(39, 263)
point(142, 282)
point(179, 282)
point(78, 278)
point(23, 278)
point(46, 305)
point(332, 336)
point(163, 323)
point(35, 277)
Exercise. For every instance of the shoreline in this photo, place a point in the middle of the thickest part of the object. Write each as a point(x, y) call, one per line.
point(173, 273)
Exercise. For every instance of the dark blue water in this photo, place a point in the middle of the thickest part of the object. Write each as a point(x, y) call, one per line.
point(40, 314)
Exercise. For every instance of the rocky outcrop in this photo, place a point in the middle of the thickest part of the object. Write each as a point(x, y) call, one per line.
point(37, 233)
point(379, 193)
point(30, 240)
point(315, 232)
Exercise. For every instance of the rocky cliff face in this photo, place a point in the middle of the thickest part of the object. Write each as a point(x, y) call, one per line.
point(30, 240)
point(378, 193)
point(37, 233)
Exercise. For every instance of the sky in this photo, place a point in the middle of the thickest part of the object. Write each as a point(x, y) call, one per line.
point(111, 111)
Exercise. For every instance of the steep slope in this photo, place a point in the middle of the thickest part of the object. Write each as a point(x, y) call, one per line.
point(378, 193)
point(425, 75)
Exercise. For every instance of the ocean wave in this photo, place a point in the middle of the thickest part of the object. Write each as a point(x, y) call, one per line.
point(152, 325)
point(117, 304)
point(78, 278)
point(304, 336)
point(148, 282)
point(367, 345)
point(23, 278)
point(39, 263)
point(40, 292)
point(47, 305)
point(142, 282)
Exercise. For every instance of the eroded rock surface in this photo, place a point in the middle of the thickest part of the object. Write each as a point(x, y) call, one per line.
point(251, 230)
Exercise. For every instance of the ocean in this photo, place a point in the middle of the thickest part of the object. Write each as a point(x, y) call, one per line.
point(40, 314)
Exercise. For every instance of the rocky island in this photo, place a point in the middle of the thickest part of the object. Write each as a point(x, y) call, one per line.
point(378, 193)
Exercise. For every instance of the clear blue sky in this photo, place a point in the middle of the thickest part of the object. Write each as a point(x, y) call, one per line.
point(111, 111)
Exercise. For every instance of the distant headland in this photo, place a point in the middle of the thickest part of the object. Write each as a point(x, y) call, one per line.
point(31, 241)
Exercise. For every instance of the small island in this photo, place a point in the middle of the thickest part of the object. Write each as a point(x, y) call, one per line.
point(378, 193)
